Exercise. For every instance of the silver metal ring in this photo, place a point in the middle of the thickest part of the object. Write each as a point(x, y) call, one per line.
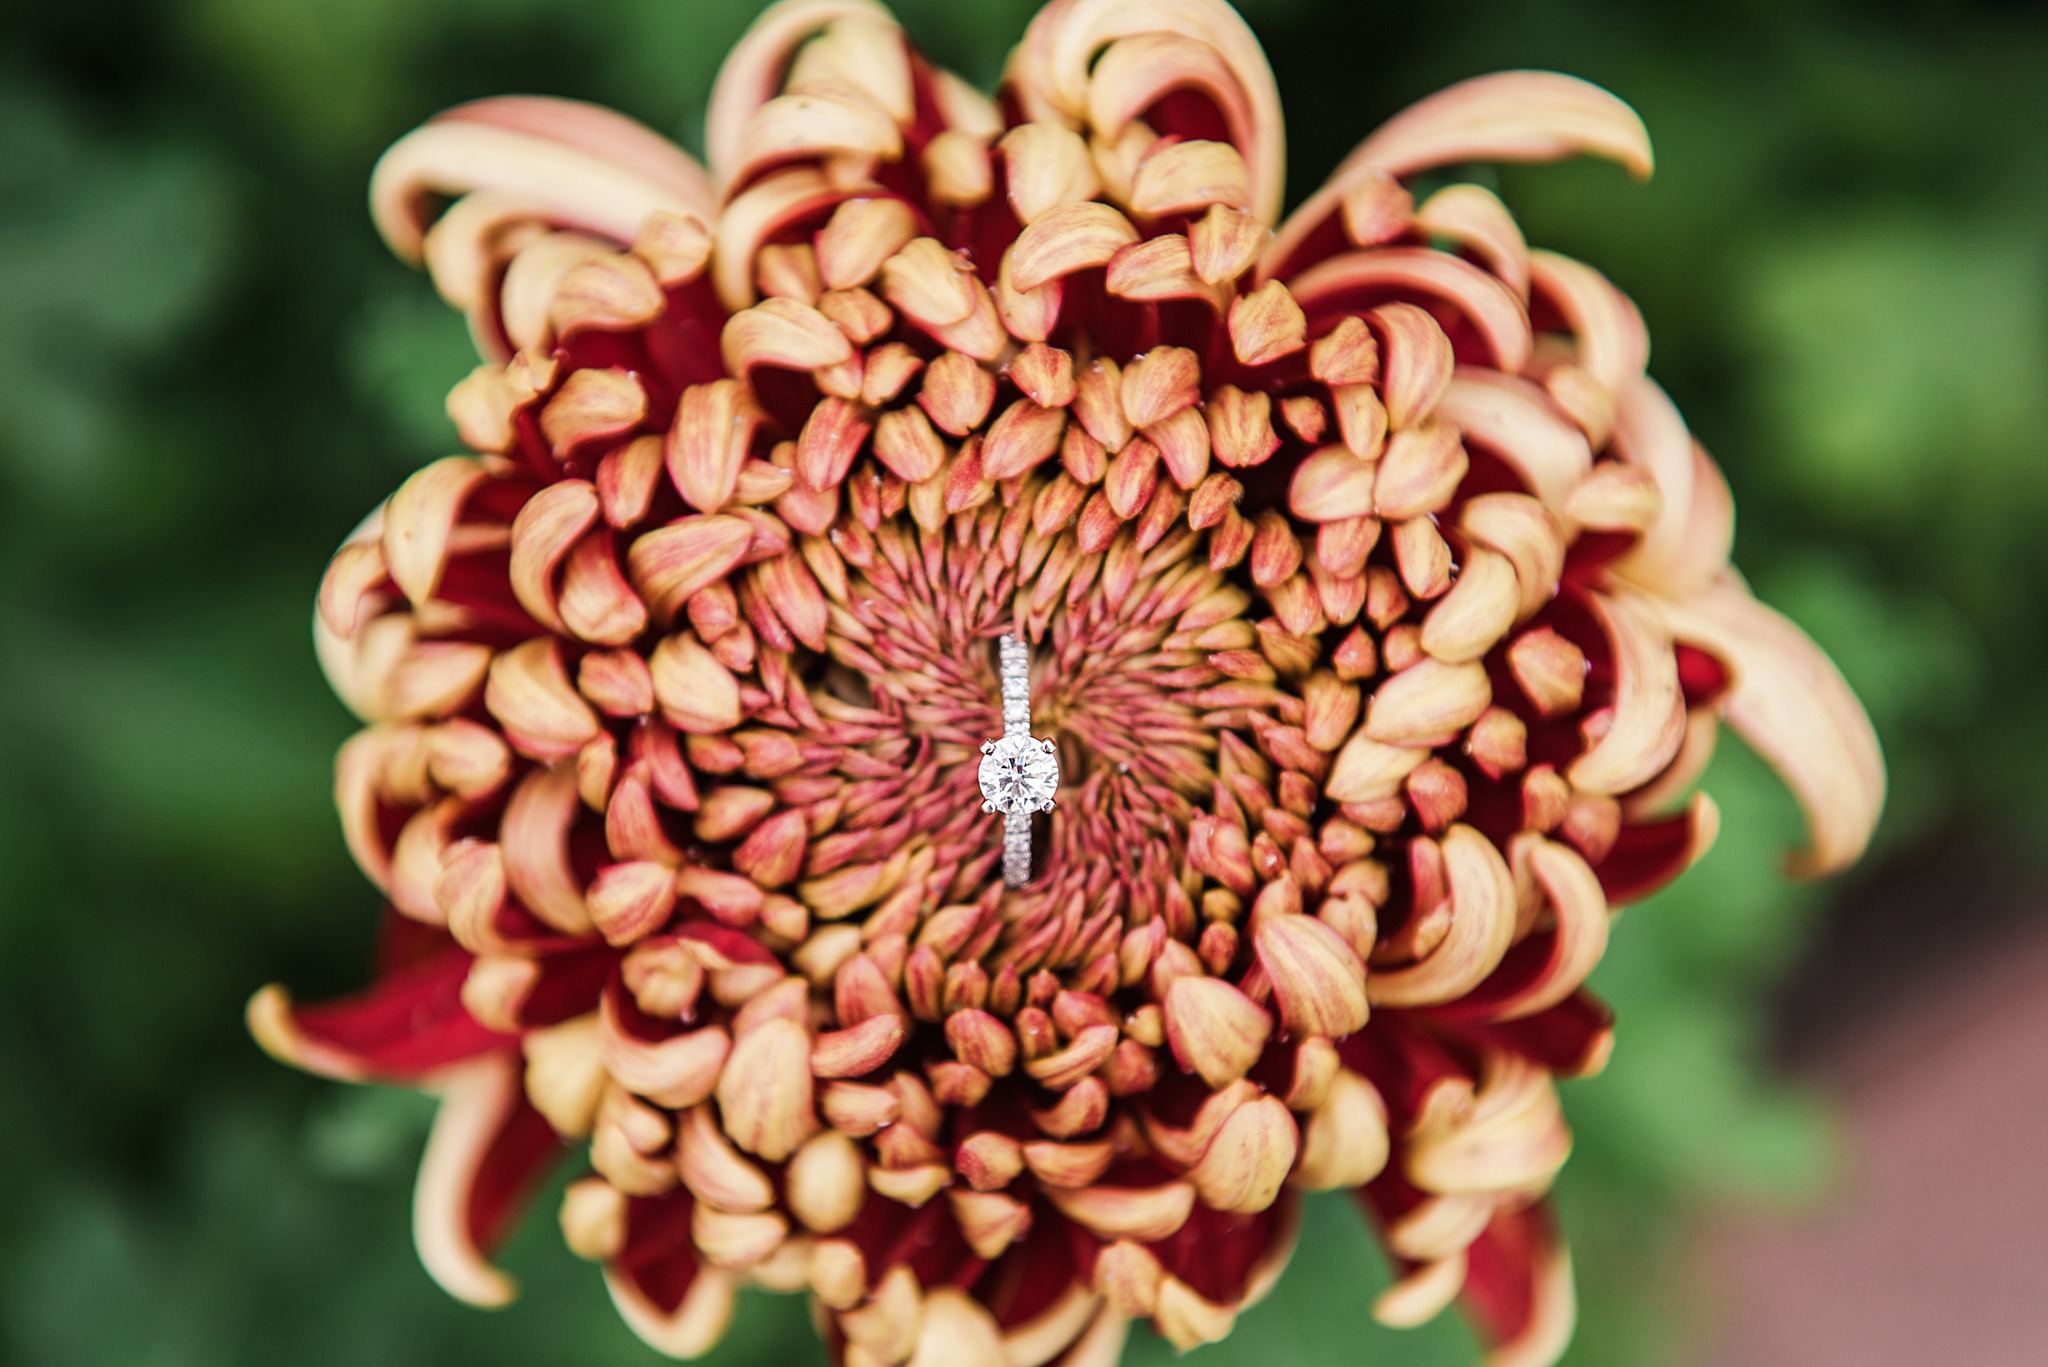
point(1019, 773)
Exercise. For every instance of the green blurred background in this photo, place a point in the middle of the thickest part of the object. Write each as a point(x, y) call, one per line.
point(210, 368)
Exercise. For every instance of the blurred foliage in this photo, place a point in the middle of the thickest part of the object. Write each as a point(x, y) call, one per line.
point(210, 369)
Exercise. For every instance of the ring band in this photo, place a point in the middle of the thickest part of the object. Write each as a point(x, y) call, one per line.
point(1019, 773)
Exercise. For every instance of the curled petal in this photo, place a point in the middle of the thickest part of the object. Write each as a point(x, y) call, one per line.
point(781, 332)
point(1070, 238)
point(1516, 420)
point(1509, 116)
point(530, 695)
point(541, 535)
point(1491, 306)
point(1188, 177)
point(1518, 1289)
point(419, 521)
point(957, 1330)
point(688, 1328)
point(1514, 1135)
point(1475, 219)
point(671, 563)
point(1477, 612)
point(358, 774)
point(487, 1148)
point(1047, 165)
point(466, 247)
point(764, 1090)
point(409, 1026)
point(571, 163)
point(677, 1072)
point(1069, 1320)
point(1344, 1142)
point(1482, 894)
point(1792, 705)
point(1425, 701)
point(754, 70)
point(416, 860)
point(1146, 1214)
point(1318, 978)
point(862, 234)
point(814, 124)
point(354, 573)
point(1563, 956)
point(1160, 268)
point(715, 423)
point(1613, 344)
point(1367, 770)
point(1524, 531)
point(1250, 1157)
point(1216, 1030)
point(1423, 1294)
point(861, 54)
point(1055, 69)
point(535, 840)
point(754, 217)
point(1650, 436)
point(1649, 709)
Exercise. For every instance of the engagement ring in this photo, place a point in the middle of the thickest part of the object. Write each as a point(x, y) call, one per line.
point(1019, 773)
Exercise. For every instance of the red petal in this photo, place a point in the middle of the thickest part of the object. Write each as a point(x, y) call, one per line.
point(410, 1024)
point(1404, 1062)
point(1032, 1274)
point(1571, 1039)
point(1703, 677)
point(664, 1294)
point(659, 1257)
point(926, 1239)
point(488, 1150)
point(1220, 1254)
point(1645, 858)
point(1518, 1288)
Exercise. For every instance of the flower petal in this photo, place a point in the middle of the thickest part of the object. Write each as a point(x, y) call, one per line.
point(1794, 708)
point(1571, 1039)
point(1516, 420)
point(1522, 116)
point(1613, 344)
point(1649, 854)
point(487, 1150)
point(1474, 218)
point(1218, 1265)
point(1482, 927)
point(1682, 551)
point(1518, 1289)
point(674, 1303)
point(754, 70)
point(409, 1025)
point(563, 162)
point(1649, 709)
point(1053, 71)
point(1362, 277)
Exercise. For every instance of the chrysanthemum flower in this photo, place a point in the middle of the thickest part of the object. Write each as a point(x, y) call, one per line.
point(1381, 611)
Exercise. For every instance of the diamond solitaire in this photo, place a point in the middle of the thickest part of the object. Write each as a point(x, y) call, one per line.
point(1019, 773)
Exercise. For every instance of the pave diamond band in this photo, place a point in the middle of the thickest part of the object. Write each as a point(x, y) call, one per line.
point(1019, 773)
point(1016, 671)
